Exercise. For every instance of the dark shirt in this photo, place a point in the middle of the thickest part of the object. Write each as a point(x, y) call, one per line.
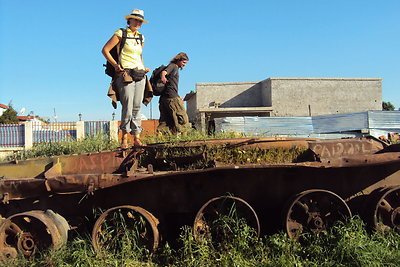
point(171, 89)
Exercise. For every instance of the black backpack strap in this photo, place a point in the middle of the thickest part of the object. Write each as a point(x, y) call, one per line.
point(141, 38)
point(123, 39)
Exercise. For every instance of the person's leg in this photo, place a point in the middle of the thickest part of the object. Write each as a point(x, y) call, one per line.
point(126, 93)
point(172, 123)
point(136, 116)
point(125, 97)
point(182, 117)
point(162, 122)
point(179, 116)
point(124, 139)
point(136, 121)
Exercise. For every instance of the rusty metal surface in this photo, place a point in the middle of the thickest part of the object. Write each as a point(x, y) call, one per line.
point(224, 205)
point(103, 236)
point(63, 184)
point(26, 233)
point(101, 162)
point(326, 149)
point(356, 160)
point(314, 211)
point(30, 168)
point(353, 169)
point(386, 209)
point(91, 172)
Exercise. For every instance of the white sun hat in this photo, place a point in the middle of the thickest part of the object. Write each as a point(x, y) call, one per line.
point(136, 14)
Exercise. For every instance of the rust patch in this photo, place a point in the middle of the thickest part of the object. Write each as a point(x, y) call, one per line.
point(345, 147)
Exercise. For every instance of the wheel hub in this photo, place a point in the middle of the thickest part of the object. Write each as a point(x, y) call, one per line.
point(395, 218)
point(26, 244)
point(315, 222)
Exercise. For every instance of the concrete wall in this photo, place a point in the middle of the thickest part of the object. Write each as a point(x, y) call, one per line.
point(191, 106)
point(322, 96)
point(291, 97)
point(238, 94)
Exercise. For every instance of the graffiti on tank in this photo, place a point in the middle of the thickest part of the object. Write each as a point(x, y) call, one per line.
point(103, 162)
point(328, 150)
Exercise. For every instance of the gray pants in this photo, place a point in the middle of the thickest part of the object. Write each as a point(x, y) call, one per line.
point(131, 96)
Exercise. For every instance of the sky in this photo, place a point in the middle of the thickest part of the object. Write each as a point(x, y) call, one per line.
point(51, 62)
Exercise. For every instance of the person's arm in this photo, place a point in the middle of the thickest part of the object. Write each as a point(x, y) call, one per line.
point(163, 76)
point(168, 70)
point(114, 40)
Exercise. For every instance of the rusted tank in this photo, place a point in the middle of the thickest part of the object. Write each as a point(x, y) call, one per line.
point(43, 199)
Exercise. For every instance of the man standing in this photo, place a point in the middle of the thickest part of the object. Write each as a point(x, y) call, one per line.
point(173, 117)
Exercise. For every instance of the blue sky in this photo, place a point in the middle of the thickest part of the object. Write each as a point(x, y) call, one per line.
point(50, 56)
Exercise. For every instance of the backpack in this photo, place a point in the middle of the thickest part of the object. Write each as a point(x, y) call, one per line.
point(155, 81)
point(110, 70)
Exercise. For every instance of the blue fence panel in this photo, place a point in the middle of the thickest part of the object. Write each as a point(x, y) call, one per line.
point(93, 128)
point(53, 136)
point(12, 135)
point(54, 132)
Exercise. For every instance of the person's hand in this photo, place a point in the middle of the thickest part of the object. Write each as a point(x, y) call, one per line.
point(118, 68)
point(164, 79)
point(147, 69)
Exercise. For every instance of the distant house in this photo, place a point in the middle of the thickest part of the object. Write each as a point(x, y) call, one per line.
point(3, 108)
point(27, 118)
point(21, 119)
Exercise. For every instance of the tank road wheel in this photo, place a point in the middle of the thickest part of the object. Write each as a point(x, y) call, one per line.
point(125, 226)
point(26, 233)
point(206, 221)
point(314, 211)
point(386, 214)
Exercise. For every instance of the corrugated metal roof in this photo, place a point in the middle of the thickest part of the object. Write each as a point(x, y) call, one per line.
point(340, 122)
point(266, 126)
point(376, 123)
point(384, 119)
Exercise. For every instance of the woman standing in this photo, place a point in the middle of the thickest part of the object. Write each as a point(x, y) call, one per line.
point(129, 81)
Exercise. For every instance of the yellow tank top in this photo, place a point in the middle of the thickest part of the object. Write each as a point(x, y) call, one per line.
point(131, 54)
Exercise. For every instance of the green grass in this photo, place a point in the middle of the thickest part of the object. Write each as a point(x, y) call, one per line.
point(206, 156)
point(100, 142)
point(190, 135)
point(170, 150)
point(345, 244)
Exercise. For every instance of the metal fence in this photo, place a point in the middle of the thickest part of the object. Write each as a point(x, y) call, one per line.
point(93, 128)
point(12, 135)
point(53, 132)
point(356, 124)
point(38, 132)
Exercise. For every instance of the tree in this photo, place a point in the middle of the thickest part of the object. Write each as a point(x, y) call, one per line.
point(387, 106)
point(9, 116)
